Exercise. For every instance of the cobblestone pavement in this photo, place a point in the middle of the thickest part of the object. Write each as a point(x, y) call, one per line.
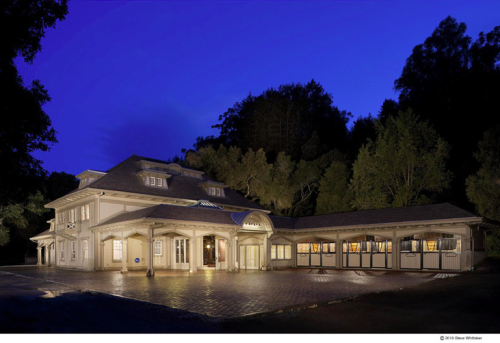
point(221, 294)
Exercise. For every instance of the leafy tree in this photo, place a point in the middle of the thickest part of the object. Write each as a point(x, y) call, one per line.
point(278, 194)
point(334, 192)
point(404, 167)
point(453, 83)
point(483, 188)
point(284, 119)
point(363, 130)
point(389, 108)
point(25, 126)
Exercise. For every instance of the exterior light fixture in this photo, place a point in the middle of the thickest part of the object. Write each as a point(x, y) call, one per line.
point(208, 246)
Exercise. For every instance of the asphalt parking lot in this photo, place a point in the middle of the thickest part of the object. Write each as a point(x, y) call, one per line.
point(291, 300)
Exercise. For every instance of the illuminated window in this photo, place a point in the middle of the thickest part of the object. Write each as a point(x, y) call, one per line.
point(410, 246)
point(82, 213)
point(281, 252)
point(62, 251)
point(328, 248)
point(450, 244)
point(87, 211)
point(302, 248)
point(73, 250)
point(152, 181)
point(212, 190)
point(158, 248)
point(117, 250)
point(160, 182)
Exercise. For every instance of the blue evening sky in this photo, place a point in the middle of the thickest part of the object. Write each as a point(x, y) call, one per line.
point(150, 76)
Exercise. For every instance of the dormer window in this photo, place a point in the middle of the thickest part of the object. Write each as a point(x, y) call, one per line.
point(218, 192)
point(152, 180)
point(159, 182)
point(212, 190)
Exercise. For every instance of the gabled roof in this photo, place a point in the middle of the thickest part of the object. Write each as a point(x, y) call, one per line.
point(376, 217)
point(173, 212)
point(46, 233)
point(123, 178)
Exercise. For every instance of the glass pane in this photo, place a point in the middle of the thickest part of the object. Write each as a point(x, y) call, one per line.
point(332, 247)
point(389, 246)
point(288, 252)
point(315, 248)
point(186, 257)
point(325, 248)
point(281, 252)
point(273, 252)
point(302, 248)
point(222, 251)
point(430, 245)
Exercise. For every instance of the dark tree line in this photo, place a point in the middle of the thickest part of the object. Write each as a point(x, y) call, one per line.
point(24, 185)
point(449, 98)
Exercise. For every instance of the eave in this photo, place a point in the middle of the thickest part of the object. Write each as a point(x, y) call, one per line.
point(388, 226)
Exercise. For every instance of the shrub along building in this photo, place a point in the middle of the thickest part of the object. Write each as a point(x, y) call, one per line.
point(146, 214)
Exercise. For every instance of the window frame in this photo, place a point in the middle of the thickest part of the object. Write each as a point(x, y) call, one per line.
point(159, 182)
point(276, 248)
point(62, 255)
point(115, 249)
point(152, 181)
point(73, 250)
point(157, 243)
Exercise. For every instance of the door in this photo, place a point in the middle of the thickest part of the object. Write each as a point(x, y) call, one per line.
point(250, 256)
point(351, 256)
point(181, 253)
point(220, 253)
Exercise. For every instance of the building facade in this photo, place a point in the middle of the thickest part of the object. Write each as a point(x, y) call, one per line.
point(146, 214)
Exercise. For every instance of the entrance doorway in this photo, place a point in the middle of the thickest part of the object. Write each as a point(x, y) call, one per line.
point(181, 253)
point(209, 251)
point(251, 256)
point(214, 252)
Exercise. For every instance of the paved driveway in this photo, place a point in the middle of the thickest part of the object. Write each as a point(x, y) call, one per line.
point(221, 294)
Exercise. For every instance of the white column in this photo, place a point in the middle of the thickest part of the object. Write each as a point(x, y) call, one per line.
point(47, 255)
point(124, 255)
point(192, 261)
point(266, 251)
point(395, 252)
point(39, 261)
point(149, 243)
point(101, 256)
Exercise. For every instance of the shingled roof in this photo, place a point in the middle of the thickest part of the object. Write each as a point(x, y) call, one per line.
point(373, 217)
point(174, 212)
point(122, 177)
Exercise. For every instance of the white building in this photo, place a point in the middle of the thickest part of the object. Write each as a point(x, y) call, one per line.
point(145, 214)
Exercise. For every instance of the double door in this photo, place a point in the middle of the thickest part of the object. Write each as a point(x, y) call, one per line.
point(251, 256)
point(316, 254)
